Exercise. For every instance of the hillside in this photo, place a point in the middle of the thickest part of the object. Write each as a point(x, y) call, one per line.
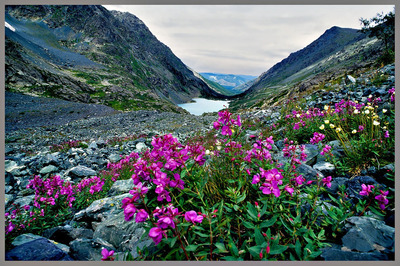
point(89, 54)
point(334, 53)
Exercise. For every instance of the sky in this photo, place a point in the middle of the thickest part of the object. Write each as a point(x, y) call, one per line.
point(243, 39)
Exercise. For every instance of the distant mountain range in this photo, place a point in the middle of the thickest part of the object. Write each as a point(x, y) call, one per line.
point(336, 52)
point(89, 54)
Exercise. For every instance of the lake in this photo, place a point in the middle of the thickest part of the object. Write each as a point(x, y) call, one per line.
point(202, 105)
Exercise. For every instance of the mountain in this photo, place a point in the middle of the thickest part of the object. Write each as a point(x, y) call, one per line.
point(89, 54)
point(336, 52)
point(228, 81)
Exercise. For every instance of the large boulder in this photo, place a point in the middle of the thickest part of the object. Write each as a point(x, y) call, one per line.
point(39, 249)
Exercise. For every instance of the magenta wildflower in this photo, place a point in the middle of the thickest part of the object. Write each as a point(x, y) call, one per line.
point(290, 190)
point(107, 255)
point(391, 93)
point(382, 200)
point(326, 149)
point(256, 179)
point(327, 181)
point(10, 227)
point(156, 234)
point(360, 128)
point(317, 138)
point(129, 211)
point(268, 188)
point(191, 216)
point(366, 189)
point(217, 125)
point(141, 216)
point(299, 180)
point(386, 134)
point(178, 182)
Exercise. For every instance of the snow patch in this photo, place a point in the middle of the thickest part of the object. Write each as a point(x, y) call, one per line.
point(9, 26)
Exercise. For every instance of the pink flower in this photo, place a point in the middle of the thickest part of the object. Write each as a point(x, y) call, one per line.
point(299, 180)
point(366, 189)
point(289, 190)
point(107, 255)
point(156, 234)
point(141, 216)
point(191, 216)
point(268, 188)
point(129, 211)
point(256, 179)
point(317, 138)
point(226, 131)
point(386, 134)
point(382, 200)
point(217, 125)
point(327, 181)
point(326, 149)
point(360, 128)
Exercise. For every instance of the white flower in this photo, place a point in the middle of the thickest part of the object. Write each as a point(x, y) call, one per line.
point(338, 129)
point(370, 96)
point(375, 123)
point(219, 148)
point(356, 111)
point(366, 112)
point(354, 131)
point(326, 121)
point(297, 115)
point(322, 127)
point(384, 110)
point(207, 152)
point(332, 125)
point(326, 107)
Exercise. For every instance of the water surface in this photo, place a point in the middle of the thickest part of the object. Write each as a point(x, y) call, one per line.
point(202, 105)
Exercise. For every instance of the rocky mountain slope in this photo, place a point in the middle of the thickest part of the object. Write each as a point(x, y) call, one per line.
point(89, 54)
point(336, 52)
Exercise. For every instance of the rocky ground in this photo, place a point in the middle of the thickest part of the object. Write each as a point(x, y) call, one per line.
point(44, 122)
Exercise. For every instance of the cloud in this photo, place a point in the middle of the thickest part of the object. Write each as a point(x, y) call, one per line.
point(244, 39)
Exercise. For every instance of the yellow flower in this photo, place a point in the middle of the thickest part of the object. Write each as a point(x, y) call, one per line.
point(384, 110)
point(354, 131)
point(385, 127)
point(308, 112)
point(219, 148)
point(332, 125)
point(338, 129)
point(111, 204)
point(322, 127)
point(366, 112)
point(326, 121)
point(326, 107)
point(375, 123)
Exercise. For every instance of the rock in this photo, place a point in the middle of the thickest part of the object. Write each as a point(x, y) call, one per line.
point(121, 186)
point(140, 146)
point(336, 183)
point(8, 199)
point(101, 208)
point(351, 79)
point(37, 250)
point(28, 200)
point(83, 249)
point(354, 185)
point(325, 167)
point(81, 171)
point(93, 145)
point(48, 169)
point(312, 152)
point(25, 238)
point(336, 253)
point(308, 172)
point(114, 158)
point(66, 234)
point(368, 234)
point(121, 234)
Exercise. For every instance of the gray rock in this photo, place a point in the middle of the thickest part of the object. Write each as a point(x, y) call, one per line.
point(308, 172)
point(368, 234)
point(325, 167)
point(37, 250)
point(66, 234)
point(336, 253)
point(28, 200)
point(81, 171)
point(120, 187)
point(48, 169)
point(101, 208)
point(93, 145)
point(83, 249)
point(25, 238)
point(114, 158)
point(123, 235)
point(8, 199)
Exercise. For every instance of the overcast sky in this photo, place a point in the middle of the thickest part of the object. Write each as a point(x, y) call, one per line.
point(244, 39)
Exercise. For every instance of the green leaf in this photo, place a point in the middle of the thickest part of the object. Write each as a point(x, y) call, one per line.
point(258, 237)
point(201, 234)
point(221, 247)
point(233, 248)
point(277, 249)
point(230, 258)
point(375, 211)
point(248, 225)
point(285, 225)
point(191, 247)
point(297, 248)
point(236, 207)
point(173, 241)
point(241, 198)
point(255, 251)
point(251, 210)
point(268, 223)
